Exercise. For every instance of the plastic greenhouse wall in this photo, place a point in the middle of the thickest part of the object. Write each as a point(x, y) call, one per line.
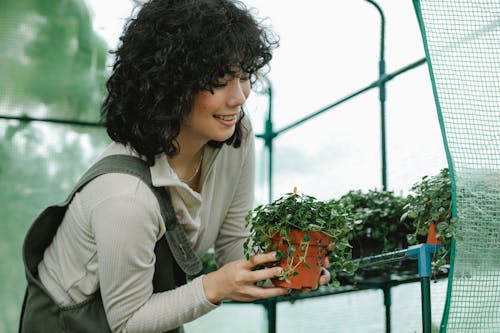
point(53, 66)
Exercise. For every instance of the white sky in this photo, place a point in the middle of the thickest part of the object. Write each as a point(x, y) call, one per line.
point(329, 49)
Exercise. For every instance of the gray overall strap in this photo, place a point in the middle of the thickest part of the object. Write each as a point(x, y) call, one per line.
point(176, 237)
point(41, 313)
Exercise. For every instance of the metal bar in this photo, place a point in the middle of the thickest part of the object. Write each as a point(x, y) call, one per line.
point(382, 94)
point(325, 291)
point(381, 259)
point(425, 290)
point(269, 139)
point(52, 120)
point(270, 306)
point(372, 85)
point(387, 303)
point(326, 108)
point(270, 172)
point(422, 253)
point(383, 144)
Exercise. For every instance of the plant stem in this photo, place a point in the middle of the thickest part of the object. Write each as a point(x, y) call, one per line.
point(305, 256)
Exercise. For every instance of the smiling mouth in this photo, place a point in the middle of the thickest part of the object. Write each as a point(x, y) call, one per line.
point(226, 118)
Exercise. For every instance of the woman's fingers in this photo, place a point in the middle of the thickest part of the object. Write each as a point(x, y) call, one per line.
point(260, 259)
point(255, 292)
point(326, 262)
point(324, 277)
point(236, 280)
point(265, 273)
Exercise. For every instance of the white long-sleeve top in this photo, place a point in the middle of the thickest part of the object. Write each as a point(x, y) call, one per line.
point(107, 238)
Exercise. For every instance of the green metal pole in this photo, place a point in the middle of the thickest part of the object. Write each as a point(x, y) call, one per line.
point(375, 84)
point(270, 306)
point(270, 172)
point(423, 252)
point(425, 288)
point(382, 93)
point(382, 133)
point(25, 118)
point(387, 302)
point(269, 137)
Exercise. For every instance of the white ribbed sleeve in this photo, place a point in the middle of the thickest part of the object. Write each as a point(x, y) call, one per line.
point(126, 230)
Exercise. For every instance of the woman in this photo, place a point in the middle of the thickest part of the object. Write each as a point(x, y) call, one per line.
point(182, 74)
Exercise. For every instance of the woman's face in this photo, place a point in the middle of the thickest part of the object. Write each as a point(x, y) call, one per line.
point(214, 116)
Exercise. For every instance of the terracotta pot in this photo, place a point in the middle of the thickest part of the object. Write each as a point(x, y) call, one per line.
point(306, 277)
point(431, 235)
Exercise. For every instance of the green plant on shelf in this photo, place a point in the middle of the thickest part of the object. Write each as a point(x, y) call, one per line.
point(430, 203)
point(377, 221)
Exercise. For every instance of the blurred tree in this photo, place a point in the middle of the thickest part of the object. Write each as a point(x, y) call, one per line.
point(53, 58)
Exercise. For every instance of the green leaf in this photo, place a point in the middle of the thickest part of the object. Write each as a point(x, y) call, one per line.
point(411, 238)
point(280, 255)
point(404, 216)
point(442, 226)
point(341, 246)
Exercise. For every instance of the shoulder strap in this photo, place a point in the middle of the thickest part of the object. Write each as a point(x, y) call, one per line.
point(133, 166)
point(176, 237)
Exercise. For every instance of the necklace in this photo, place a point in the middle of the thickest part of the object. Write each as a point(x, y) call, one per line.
point(195, 172)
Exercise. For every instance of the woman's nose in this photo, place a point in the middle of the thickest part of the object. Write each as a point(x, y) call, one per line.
point(238, 92)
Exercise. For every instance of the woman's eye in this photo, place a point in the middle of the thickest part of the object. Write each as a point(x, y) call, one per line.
point(220, 84)
point(223, 82)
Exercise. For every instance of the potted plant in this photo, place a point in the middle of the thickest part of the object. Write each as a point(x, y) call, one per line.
point(429, 211)
point(377, 224)
point(300, 228)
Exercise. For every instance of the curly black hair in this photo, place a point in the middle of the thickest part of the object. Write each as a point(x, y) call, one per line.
point(170, 51)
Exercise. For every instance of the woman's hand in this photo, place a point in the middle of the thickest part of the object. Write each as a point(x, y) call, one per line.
point(325, 277)
point(236, 280)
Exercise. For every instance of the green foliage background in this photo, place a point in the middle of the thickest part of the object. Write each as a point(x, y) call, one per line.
point(52, 65)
